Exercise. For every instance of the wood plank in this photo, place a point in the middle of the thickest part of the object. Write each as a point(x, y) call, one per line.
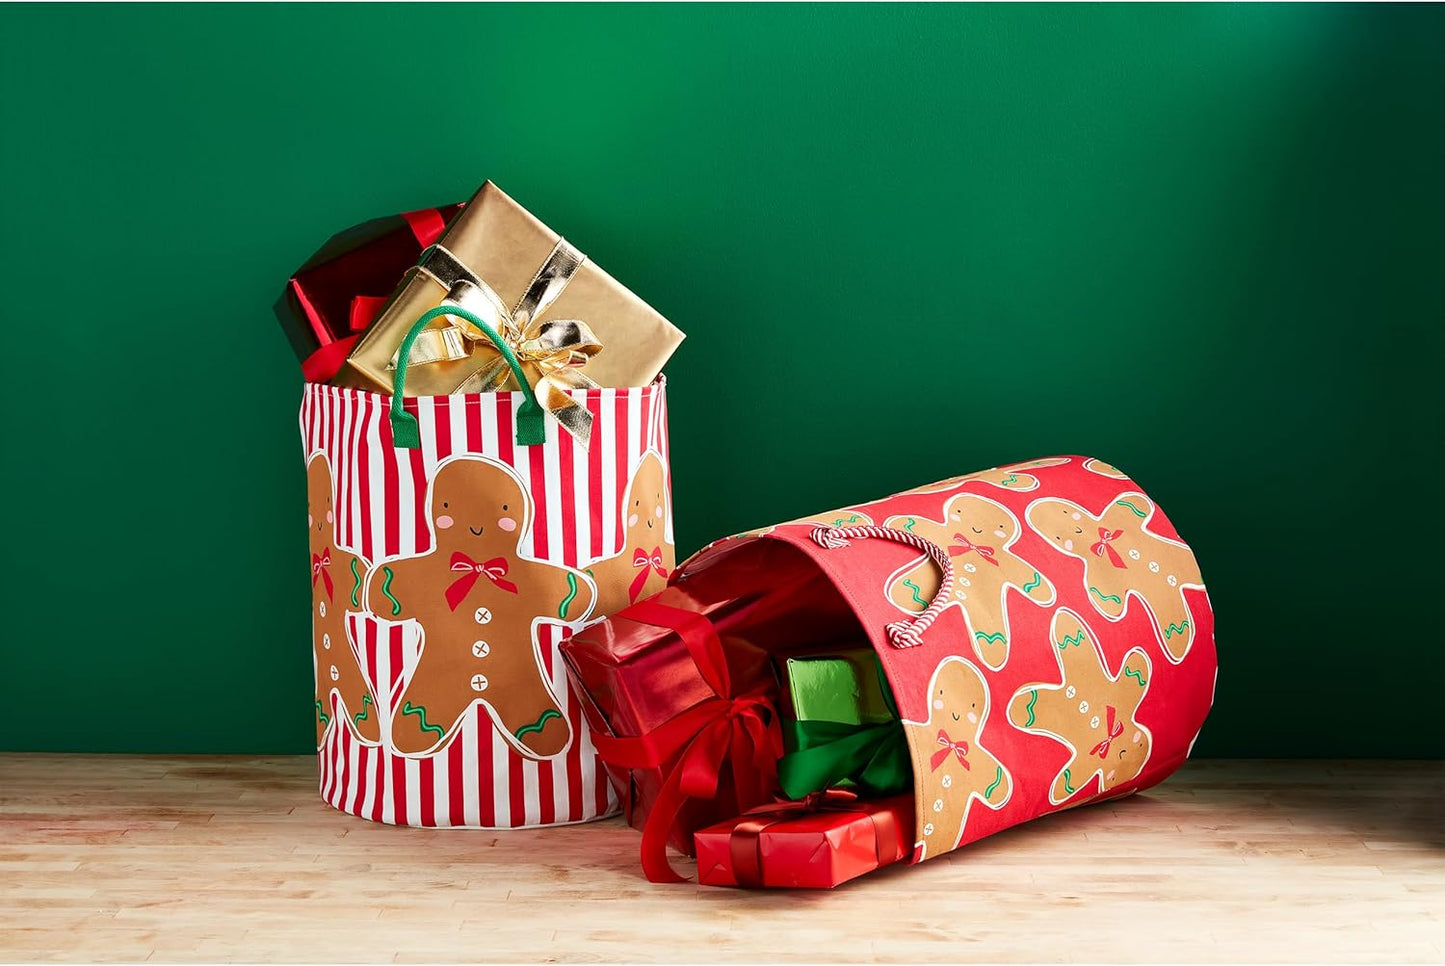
point(133, 858)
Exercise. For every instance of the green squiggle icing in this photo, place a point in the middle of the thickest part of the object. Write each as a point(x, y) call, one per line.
point(321, 713)
point(1032, 584)
point(571, 594)
point(993, 638)
point(840, 522)
point(910, 524)
point(1033, 696)
point(360, 716)
point(1009, 480)
point(1131, 673)
point(420, 713)
point(1173, 629)
point(915, 588)
point(1132, 508)
point(1102, 596)
point(387, 577)
point(1073, 641)
point(997, 780)
point(355, 584)
point(1067, 779)
point(539, 724)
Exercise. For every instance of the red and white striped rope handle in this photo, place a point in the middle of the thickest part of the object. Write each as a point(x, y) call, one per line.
point(904, 633)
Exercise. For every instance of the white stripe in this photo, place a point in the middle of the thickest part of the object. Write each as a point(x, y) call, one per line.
point(562, 808)
point(354, 782)
point(471, 784)
point(501, 773)
point(441, 791)
point(412, 772)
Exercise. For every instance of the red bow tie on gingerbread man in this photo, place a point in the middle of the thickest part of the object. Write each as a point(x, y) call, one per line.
point(321, 570)
point(494, 570)
point(961, 545)
point(647, 563)
point(950, 747)
point(1114, 730)
point(1106, 537)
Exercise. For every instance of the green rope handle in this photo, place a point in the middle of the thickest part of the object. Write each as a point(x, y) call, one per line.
point(406, 434)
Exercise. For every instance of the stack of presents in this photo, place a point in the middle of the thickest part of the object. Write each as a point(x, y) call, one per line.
point(503, 638)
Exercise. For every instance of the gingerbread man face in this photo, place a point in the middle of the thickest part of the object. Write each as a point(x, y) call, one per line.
point(1011, 477)
point(648, 554)
point(475, 508)
point(1122, 559)
point(336, 580)
point(477, 600)
point(951, 768)
point(977, 533)
point(1089, 711)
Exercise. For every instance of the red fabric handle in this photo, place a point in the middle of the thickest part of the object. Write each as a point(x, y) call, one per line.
point(427, 226)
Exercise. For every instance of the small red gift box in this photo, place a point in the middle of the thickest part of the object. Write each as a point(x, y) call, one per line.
point(817, 843)
point(684, 719)
point(335, 295)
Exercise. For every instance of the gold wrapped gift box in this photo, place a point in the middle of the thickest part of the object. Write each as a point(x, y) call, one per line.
point(561, 313)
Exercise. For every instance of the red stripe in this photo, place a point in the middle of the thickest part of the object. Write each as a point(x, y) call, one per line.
point(594, 476)
point(420, 526)
point(376, 770)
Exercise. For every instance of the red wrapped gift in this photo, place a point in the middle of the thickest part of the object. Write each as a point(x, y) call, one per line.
point(817, 843)
point(684, 718)
point(332, 298)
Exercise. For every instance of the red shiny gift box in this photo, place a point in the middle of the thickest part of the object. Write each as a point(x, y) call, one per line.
point(817, 843)
point(684, 718)
point(332, 298)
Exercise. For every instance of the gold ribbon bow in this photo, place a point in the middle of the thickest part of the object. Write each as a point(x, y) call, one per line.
point(552, 352)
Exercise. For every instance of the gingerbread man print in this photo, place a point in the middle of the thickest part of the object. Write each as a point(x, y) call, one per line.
point(477, 600)
point(1123, 559)
point(977, 533)
point(1090, 711)
point(952, 768)
point(648, 554)
point(336, 578)
point(1010, 477)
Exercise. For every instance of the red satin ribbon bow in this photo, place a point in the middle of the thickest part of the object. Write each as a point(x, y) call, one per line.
point(741, 731)
point(950, 747)
point(648, 563)
point(745, 845)
point(1106, 536)
point(1114, 730)
point(322, 365)
point(494, 570)
point(961, 545)
point(321, 570)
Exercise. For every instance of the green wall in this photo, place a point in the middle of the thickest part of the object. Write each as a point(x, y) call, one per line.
point(1202, 242)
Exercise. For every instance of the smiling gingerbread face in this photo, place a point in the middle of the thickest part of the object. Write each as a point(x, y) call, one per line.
point(646, 508)
point(320, 514)
point(478, 506)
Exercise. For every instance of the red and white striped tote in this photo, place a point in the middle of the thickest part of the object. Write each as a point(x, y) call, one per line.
point(443, 579)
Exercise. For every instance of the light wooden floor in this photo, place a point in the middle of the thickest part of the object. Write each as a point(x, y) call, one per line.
point(123, 858)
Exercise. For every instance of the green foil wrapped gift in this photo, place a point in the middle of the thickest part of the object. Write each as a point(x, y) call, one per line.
point(843, 731)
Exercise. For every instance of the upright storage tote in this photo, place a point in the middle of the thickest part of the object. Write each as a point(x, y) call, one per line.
point(443, 578)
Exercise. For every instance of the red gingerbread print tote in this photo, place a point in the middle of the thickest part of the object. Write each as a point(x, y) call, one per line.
point(455, 541)
point(1046, 632)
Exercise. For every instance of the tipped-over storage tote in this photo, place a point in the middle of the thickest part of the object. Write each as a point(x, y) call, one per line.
point(443, 578)
point(1046, 633)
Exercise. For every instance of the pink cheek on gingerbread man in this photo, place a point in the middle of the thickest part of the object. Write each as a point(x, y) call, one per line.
point(330, 518)
point(444, 522)
point(632, 520)
point(507, 524)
